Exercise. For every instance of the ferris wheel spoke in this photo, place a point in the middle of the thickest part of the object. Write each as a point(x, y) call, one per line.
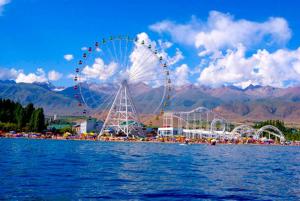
point(134, 76)
point(144, 62)
point(127, 59)
point(105, 104)
point(125, 54)
point(140, 57)
point(105, 107)
point(109, 96)
point(111, 56)
point(143, 72)
point(144, 57)
point(121, 53)
point(153, 80)
point(82, 97)
point(163, 98)
point(91, 97)
point(115, 52)
point(144, 75)
point(100, 105)
point(110, 52)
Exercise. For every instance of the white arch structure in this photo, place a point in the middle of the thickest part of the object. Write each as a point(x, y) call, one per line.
point(243, 131)
point(271, 130)
point(213, 125)
point(247, 131)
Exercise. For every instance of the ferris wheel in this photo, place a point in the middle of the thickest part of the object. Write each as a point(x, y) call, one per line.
point(119, 78)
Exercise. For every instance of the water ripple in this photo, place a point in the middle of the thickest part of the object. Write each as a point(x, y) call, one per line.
point(82, 170)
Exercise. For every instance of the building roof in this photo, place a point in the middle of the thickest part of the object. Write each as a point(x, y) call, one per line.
point(59, 126)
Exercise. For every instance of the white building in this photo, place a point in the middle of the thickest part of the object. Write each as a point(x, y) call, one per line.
point(169, 131)
point(90, 125)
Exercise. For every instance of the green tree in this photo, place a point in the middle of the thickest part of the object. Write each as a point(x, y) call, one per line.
point(29, 109)
point(40, 120)
point(20, 116)
point(14, 117)
point(7, 110)
point(37, 120)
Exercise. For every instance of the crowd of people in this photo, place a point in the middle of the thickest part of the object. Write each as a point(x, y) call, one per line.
point(158, 139)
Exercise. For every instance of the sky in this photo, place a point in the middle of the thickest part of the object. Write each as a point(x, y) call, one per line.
point(211, 42)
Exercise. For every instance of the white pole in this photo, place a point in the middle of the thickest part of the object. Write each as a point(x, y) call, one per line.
point(126, 113)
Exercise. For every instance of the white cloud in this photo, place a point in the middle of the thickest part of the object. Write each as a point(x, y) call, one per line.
point(68, 57)
point(278, 68)
point(262, 68)
point(181, 75)
point(176, 58)
point(71, 76)
point(223, 31)
point(54, 75)
point(2, 4)
point(223, 42)
point(182, 33)
point(145, 66)
point(165, 44)
point(38, 76)
point(9, 74)
point(20, 77)
point(148, 68)
point(100, 70)
point(162, 47)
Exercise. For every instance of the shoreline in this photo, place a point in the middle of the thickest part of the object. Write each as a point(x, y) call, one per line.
point(122, 140)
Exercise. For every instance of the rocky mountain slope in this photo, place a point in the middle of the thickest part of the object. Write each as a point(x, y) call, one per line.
point(253, 103)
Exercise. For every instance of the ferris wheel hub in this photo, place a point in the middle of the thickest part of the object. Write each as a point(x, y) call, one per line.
point(124, 82)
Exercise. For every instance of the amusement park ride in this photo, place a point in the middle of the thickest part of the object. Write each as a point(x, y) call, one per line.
point(129, 61)
point(203, 123)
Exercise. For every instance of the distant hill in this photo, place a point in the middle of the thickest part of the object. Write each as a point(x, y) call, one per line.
point(252, 103)
point(40, 95)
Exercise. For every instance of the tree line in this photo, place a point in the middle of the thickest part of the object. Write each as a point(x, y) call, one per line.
point(13, 116)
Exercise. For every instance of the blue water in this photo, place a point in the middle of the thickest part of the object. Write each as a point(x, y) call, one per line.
point(72, 170)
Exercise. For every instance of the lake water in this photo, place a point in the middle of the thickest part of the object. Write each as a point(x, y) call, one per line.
point(71, 170)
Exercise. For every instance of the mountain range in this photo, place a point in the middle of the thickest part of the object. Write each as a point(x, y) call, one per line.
point(250, 104)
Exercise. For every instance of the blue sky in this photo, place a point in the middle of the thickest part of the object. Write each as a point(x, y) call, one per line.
point(38, 33)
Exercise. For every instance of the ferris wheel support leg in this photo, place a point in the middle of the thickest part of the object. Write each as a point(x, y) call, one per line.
point(126, 112)
point(109, 113)
point(122, 112)
point(136, 118)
